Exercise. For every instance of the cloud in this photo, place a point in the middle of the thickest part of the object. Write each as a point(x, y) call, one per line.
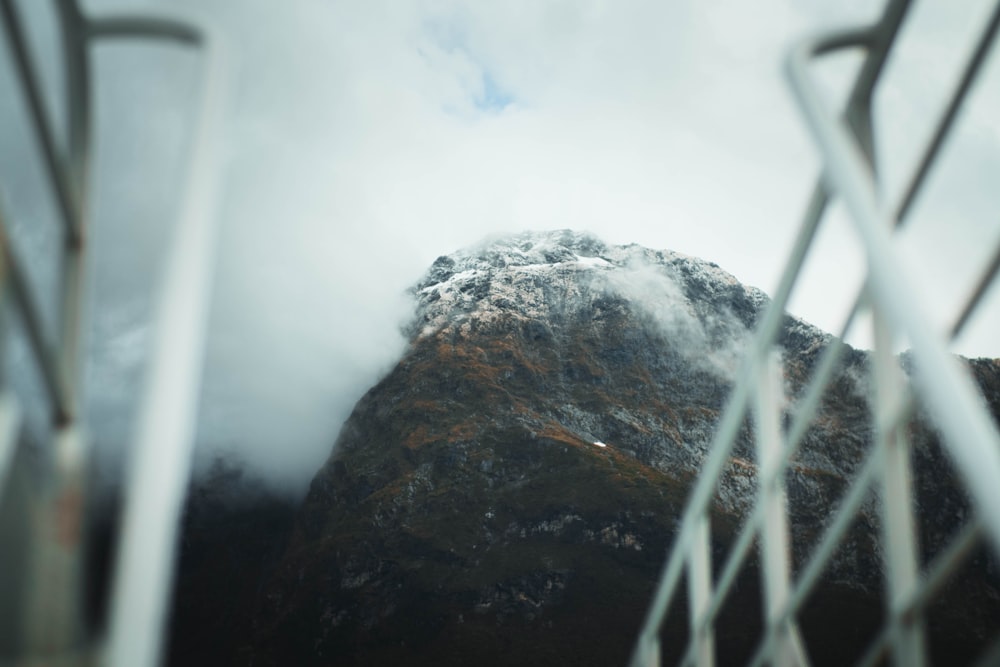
point(366, 139)
point(713, 342)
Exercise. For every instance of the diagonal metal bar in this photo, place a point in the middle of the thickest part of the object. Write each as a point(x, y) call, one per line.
point(737, 556)
point(985, 280)
point(936, 576)
point(852, 174)
point(951, 398)
point(947, 119)
point(28, 76)
point(805, 411)
point(41, 348)
point(729, 424)
point(823, 552)
point(877, 40)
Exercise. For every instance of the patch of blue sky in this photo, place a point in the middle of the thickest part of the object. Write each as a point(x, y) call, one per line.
point(493, 97)
point(490, 96)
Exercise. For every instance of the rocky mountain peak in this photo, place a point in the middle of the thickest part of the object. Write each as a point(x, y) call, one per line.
point(506, 493)
point(547, 276)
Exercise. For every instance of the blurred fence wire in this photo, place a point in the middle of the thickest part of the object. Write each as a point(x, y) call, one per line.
point(42, 578)
point(939, 386)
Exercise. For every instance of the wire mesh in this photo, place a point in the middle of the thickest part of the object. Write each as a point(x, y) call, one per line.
point(47, 609)
point(937, 383)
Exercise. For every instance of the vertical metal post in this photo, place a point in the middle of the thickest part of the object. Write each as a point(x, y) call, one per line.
point(774, 543)
point(651, 653)
point(10, 414)
point(700, 593)
point(54, 614)
point(899, 534)
point(10, 422)
point(77, 168)
point(164, 436)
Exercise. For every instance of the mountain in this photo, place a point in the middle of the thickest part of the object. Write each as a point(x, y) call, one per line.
point(506, 494)
point(234, 533)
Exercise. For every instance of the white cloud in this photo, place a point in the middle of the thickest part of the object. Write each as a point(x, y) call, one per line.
point(367, 138)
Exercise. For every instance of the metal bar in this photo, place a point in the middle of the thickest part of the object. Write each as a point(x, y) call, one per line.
point(950, 396)
point(849, 507)
point(10, 424)
point(799, 427)
point(69, 347)
point(857, 162)
point(704, 488)
point(947, 119)
point(76, 61)
point(774, 543)
point(699, 567)
point(53, 604)
point(806, 409)
point(878, 50)
point(45, 356)
point(984, 283)
point(944, 565)
point(729, 424)
point(898, 532)
point(690, 654)
point(737, 555)
point(652, 655)
point(882, 34)
point(937, 574)
point(880, 37)
point(53, 617)
point(39, 120)
point(809, 405)
point(161, 459)
point(797, 432)
point(145, 27)
point(78, 109)
point(920, 597)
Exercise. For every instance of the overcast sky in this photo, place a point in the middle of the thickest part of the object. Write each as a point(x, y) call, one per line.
point(364, 139)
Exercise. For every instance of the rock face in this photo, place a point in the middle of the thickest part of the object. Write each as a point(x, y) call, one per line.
point(507, 493)
point(234, 533)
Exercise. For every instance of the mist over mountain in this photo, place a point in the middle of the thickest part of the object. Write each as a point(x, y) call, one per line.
point(507, 492)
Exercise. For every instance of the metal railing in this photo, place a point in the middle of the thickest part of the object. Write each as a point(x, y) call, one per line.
point(48, 609)
point(939, 385)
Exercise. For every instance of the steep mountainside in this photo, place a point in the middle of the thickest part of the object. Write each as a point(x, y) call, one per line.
point(234, 532)
point(506, 494)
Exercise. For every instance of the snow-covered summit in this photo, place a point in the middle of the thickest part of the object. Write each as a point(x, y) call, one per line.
point(566, 249)
point(532, 274)
point(525, 249)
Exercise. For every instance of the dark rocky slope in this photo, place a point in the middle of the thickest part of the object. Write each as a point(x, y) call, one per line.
point(507, 493)
point(234, 532)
